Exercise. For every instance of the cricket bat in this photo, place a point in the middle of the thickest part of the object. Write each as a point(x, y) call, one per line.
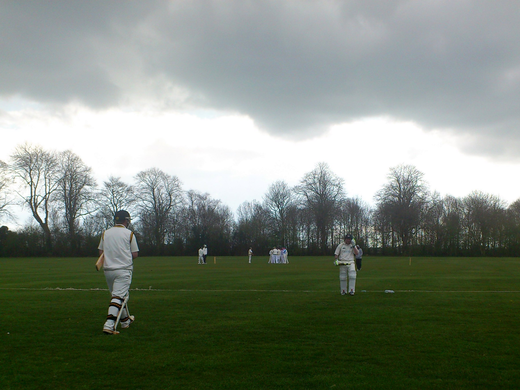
point(125, 303)
point(100, 262)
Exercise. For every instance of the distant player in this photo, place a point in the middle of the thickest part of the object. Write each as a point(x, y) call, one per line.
point(276, 255)
point(359, 257)
point(250, 253)
point(345, 253)
point(205, 252)
point(284, 256)
point(119, 246)
point(201, 256)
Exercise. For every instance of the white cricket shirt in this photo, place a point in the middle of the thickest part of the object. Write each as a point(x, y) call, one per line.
point(118, 243)
point(345, 252)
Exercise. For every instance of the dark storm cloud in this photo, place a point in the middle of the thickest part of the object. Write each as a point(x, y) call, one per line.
point(295, 67)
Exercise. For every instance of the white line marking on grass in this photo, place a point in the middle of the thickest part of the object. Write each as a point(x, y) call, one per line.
point(251, 290)
point(53, 289)
point(454, 291)
point(150, 289)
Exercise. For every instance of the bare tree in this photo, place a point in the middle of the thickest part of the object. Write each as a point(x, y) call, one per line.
point(208, 222)
point(38, 172)
point(278, 201)
point(513, 220)
point(403, 198)
point(5, 195)
point(382, 227)
point(321, 192)
point(432, 233)
point(483, 220)
point(252, 228)
point(75, 194)
point(453, 224)
point(158, 195)
point(115, 195)
point(353, 217)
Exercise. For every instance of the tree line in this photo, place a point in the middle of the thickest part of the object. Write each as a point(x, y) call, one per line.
point(70, 211)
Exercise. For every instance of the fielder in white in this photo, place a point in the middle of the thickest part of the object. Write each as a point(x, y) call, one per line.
point(204, 252)
point(201, 256)
point(359, 257)
point(277, 255)
point(250, 253)
point(284, 256)
point(344, 254)
point(119, 246)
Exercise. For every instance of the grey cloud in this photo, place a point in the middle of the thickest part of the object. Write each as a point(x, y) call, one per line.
point(295, 67)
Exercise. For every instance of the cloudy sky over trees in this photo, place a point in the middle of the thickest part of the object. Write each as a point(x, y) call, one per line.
point(231, 96)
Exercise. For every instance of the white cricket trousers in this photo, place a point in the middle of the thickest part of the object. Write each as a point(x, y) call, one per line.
point(118, 282)
point(349, 269)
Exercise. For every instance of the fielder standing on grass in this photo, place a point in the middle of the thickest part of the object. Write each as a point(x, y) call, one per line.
point(250, 253)
point(119, 246)
point(201, 256)
point(344, 254)
point(359, 257)
point(205, 252)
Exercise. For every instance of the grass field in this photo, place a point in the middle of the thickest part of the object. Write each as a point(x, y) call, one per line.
point(452, 323)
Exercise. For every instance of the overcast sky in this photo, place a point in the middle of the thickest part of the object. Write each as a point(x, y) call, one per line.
point(231, 96)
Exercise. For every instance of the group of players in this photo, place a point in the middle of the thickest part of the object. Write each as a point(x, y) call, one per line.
point(278, 255)
point(119, 247)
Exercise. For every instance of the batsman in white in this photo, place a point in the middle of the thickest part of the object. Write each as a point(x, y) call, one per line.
point(344, 254)
point(119, 246)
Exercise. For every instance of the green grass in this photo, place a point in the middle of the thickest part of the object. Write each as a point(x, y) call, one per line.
point(452, 323)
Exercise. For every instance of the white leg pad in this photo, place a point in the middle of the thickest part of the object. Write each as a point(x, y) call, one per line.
point(343, 278)
point(352, 278)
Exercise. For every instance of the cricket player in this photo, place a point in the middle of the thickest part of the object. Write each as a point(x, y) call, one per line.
point(119, 246)
point(201, 256)
point(205, 252)
point(250, 253)
point(346, 252)
point(284, 256)
point(276, 255)
point(359, 257)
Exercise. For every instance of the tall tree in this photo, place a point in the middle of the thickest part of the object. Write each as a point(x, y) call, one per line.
point(278, 201)
point(382, 228)
point(158, 195)
point(353, 217)
point(252, 228)
point(321, 192)
point(453, 224)
point(38, 172)
point(432, 233)
point(5, 196)
point(115, 195)
point(483, 220)
point(403, 198)
point(75, 193)
point(208, 221)
point(513, 223)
